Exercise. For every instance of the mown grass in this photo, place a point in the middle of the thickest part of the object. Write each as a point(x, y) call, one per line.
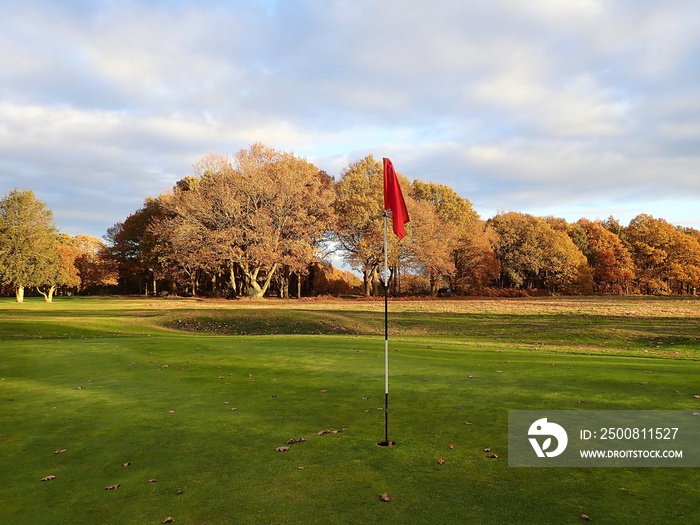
point(215, 465)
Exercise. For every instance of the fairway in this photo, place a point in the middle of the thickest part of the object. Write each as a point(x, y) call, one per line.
point(176, 408)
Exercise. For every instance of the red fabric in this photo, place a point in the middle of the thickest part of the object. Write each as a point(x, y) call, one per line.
point(393, 200)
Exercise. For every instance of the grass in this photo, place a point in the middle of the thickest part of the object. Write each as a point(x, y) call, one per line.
point(272, 362)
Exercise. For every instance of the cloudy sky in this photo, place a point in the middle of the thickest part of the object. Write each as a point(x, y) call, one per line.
point(572, 108)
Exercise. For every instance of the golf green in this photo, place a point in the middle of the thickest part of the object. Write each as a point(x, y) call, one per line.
point(139, 410)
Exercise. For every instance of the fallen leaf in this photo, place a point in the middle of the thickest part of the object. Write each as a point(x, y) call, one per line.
point(580, 401)
point(644, 383)
point(282, 449)
point(492, 456)
point(48, 478)
point(365, 398)
point(327, 431)
point(451, 445)
point(226, 402)
point(274, 395)
point(300, 468)
point(127, 464)
point(293, 441)
point(696, 397)
point(585, 517)
point(60, 451)
point(152, 480)
point(323, 390)
point(112, 487)
point(471, 377)
point(441, 461)
point(384, 497)
point(79, 387)
point(169, 411)
point(487, 449)
point(169, 519)
point(468, 423)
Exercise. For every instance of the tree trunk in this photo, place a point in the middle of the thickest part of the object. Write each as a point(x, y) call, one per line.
point(284, 287)
point(232, 275)
point(19, 294)
point(298, 286)
point(367, 280)
point(255, 290)
point(433, 285)
point(48, 294)
point(375, 281)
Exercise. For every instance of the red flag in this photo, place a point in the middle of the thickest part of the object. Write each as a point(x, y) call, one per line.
point(393, 199)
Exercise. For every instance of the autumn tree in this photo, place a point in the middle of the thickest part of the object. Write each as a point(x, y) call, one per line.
point(131, 249)
point(613, 225)
point(459, 234)
point(28, 241)
point(693, 232)
point(359, 226)
point(534, 255)
point(285, 212)
point(431, 245)
point(611, 265)
point(685, 263)
point(650, 240)
point(259, 214)
point(183, 243)
point(59, 267)
point(665, 259)
point(94, 269)
point(326, 279)
point(438, 231)
point(475, 261)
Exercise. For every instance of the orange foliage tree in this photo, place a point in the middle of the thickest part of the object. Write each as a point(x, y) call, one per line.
point(261, 212)
point(610, 261)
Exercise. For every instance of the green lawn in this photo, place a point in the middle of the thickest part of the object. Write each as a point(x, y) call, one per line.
point(99, 376)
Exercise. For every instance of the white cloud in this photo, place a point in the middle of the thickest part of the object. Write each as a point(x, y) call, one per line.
point(510, 102)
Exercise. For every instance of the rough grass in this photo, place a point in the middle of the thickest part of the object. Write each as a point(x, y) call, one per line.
point(217, 465)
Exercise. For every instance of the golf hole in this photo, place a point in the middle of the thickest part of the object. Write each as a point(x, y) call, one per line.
point(386, 443)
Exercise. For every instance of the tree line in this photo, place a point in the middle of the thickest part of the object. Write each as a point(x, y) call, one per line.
point(265, 222)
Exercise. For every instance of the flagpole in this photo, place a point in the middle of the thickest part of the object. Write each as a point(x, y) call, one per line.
point(393, 200)
point(386, 330)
